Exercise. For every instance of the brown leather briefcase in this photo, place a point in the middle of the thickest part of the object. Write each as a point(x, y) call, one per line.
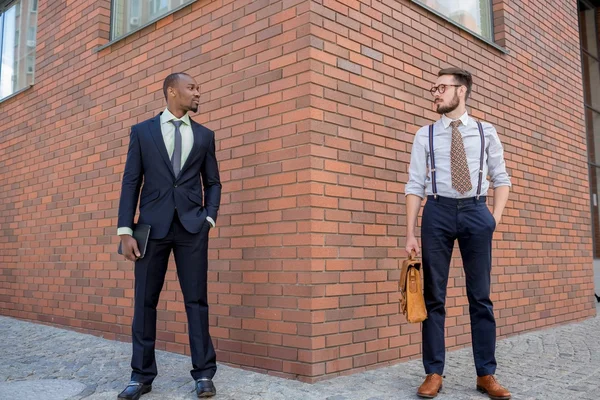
point(412, 302)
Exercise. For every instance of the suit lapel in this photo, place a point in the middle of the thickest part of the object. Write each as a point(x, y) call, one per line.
point(195, 147)
point(157, 136)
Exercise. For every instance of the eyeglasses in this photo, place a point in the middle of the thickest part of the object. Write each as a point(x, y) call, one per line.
point(441, 89)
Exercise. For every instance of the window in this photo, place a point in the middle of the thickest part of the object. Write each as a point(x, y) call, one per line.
point(135, 14)
point(473, 15)
point(33, 5)
point(30, 64)
point(158, 7)
point(130, 15)
point(31, 36)
point(589, 36)
point(17, 47)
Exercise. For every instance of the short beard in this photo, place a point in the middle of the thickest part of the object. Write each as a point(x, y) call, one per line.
point(450, 107)
point(194, 108)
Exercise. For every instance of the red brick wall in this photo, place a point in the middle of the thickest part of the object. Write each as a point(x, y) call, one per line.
point(314, 104)
point(374, 67)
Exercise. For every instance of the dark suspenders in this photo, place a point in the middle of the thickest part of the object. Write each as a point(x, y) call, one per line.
point(432, 166)
point(480, 158)
point(432, 159)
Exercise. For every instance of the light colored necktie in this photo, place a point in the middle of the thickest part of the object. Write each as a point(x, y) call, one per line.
point(461, 178)
point(176, 158)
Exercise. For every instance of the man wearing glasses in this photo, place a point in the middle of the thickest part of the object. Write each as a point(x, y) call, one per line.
point(450, 162)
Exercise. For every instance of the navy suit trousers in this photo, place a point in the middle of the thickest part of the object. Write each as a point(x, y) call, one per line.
point(191, 259)
point(470, 221)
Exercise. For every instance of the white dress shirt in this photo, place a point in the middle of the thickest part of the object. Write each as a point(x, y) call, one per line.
point(187, 142)
point(419, 174)
point(168, 134)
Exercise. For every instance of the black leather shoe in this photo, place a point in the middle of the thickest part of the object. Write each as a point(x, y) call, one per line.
point(205, 388)
point(134, 391)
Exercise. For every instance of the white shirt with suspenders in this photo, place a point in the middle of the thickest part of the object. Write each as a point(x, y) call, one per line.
point(429, 171)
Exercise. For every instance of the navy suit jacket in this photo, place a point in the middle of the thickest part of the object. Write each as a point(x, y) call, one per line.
point(162, 193)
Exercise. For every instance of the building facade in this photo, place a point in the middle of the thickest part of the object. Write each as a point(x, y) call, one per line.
point(314, 104)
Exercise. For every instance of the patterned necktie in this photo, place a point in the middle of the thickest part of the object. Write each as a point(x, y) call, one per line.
point(176, 158)
point(461, 178)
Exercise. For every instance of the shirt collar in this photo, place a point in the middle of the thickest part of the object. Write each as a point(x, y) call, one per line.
point(167, 116)
point(463, 118)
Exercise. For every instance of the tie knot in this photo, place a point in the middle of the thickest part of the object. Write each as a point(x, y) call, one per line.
point(177, 123)
point(455, 124)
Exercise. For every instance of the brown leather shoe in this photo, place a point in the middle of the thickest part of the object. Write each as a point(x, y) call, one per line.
point(431, 387)
point(488, 384)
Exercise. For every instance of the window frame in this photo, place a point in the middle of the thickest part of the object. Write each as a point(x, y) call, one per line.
point(4, 6)
point(464, 28)
point(143, 26)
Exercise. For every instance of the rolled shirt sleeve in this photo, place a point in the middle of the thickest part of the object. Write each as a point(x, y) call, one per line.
point(417, 171)
point(496, 164)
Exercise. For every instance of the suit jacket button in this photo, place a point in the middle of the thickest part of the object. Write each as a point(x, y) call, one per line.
point(175, 185)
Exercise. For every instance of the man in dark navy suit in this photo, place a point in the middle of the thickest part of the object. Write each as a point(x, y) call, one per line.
point(172, 159)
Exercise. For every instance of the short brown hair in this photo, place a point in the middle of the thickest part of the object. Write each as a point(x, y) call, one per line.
point(461, 77)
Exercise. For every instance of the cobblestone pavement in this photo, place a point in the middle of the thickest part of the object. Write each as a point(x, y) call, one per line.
point(47, 363)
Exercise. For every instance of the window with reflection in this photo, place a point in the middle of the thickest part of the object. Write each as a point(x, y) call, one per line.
point(130, 15)
point(474, 15)
point(18, 27)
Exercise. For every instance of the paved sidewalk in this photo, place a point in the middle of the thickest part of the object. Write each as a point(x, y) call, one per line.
point(42, 362)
